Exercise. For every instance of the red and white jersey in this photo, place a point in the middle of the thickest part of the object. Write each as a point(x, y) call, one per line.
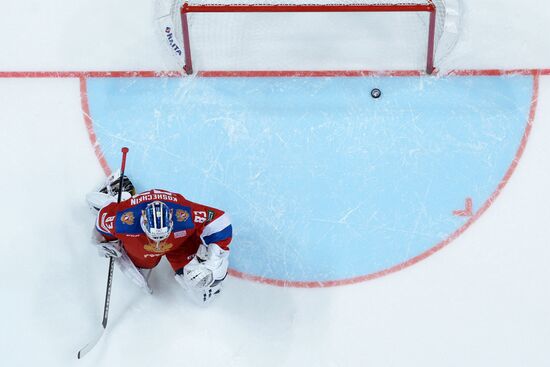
point(193, 224)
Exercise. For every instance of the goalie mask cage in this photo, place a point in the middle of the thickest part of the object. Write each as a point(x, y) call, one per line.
point(227, 15)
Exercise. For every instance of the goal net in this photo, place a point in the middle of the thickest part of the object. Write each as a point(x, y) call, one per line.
point(309, 35)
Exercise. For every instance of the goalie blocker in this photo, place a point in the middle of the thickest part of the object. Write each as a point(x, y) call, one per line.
point(143, 228)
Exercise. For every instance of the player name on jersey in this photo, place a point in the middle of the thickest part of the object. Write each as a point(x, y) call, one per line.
point(153, 196)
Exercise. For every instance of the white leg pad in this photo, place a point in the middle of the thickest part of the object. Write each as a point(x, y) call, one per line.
point(202, 297)
point(129, 269)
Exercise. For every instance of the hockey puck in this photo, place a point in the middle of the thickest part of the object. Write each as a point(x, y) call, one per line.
point(375, 93)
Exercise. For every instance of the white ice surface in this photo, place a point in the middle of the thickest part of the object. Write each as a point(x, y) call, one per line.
point(482, 301)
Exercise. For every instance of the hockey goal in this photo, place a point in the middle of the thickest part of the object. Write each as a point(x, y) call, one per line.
point(314, 35)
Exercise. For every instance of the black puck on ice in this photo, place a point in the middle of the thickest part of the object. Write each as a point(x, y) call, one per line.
point(375, 93)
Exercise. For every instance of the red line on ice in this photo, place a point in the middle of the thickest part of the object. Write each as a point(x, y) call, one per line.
point(90, 126)
point(260, 73)
point(90, 74)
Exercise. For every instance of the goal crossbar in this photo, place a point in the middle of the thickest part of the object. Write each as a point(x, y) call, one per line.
point(186, 8)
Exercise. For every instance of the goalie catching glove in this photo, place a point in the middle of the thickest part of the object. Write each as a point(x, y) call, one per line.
point(208, 266)
point(203, 276)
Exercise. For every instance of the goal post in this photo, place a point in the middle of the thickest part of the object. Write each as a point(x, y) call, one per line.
point(369, 6)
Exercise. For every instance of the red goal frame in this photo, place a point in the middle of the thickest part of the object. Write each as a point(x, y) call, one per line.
point(307, 8)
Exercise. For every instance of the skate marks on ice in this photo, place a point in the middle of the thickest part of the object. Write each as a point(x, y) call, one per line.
point(325, 184)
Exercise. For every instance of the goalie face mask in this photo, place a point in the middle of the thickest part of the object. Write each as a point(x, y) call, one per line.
point(156, 221)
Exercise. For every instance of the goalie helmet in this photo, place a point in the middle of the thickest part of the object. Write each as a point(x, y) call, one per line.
point(156, 221)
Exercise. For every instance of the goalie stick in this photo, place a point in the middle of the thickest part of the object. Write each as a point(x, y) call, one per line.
point(82, 352)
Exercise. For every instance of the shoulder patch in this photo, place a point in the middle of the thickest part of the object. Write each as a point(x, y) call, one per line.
point(182, 215)
point(127, 218)
point(127, 221)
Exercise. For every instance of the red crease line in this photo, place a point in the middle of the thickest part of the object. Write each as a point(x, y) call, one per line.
point(90, 127)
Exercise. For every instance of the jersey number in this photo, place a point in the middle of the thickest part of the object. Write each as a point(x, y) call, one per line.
point(200, 217)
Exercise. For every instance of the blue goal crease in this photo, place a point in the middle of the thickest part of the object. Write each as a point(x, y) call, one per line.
point(322, 181)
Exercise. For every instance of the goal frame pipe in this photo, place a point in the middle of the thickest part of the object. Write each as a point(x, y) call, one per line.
point(306, 8)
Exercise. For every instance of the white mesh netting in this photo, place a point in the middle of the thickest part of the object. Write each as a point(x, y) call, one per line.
point(310, 41)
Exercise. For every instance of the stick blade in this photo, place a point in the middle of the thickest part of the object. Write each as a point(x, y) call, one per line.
point(88, 347)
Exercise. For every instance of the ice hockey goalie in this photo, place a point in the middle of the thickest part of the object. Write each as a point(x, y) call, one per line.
point(144, 227)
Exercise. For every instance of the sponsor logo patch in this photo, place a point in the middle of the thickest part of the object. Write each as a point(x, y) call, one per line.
point(211, 215)
point(182, 215)
point(172, 41)
point(127, 218)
